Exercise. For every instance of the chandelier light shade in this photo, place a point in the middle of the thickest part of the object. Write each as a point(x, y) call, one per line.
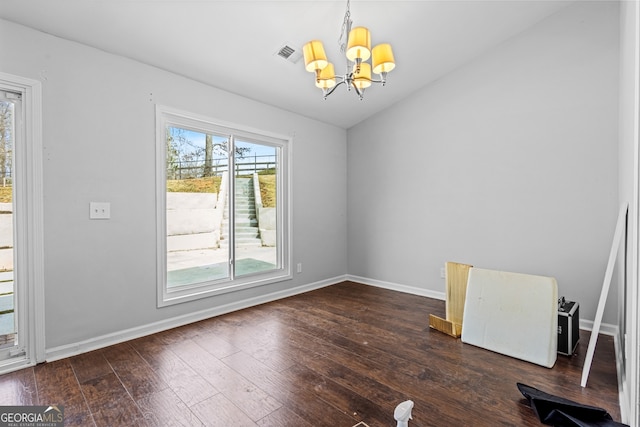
point(314, 56)
point(357, 51)
point(382, 58)
point(359, 45)
point(327, 78)
point(362, 77)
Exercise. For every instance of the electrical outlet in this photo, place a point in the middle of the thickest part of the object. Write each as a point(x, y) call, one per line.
point(442, 272)
point(299, 267)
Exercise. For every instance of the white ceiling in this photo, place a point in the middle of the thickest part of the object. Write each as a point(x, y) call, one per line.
point(232, 45)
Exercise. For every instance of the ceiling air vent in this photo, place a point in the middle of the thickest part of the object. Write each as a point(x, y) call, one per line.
point(289, 53)
point(286, 52)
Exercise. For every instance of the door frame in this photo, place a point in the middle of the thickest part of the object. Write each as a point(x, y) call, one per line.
point(30, 226)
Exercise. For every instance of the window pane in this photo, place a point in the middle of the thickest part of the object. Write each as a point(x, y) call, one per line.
point(8, 318)
point(197, 163)
point(255, 208)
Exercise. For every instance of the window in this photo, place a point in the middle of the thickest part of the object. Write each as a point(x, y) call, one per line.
point(222, 207)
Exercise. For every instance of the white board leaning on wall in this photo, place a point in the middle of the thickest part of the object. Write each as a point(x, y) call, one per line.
point(513, 314)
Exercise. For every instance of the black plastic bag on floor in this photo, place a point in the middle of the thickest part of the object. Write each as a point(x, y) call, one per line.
point(560, 412)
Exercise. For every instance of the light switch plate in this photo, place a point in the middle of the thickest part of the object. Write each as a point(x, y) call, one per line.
point(99, 210)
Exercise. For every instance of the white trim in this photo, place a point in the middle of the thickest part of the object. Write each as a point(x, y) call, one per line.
point(73, 349)
point(32, 225)
point(605, 328)
point(630, 412)
point(398, 287)
point(624, 410)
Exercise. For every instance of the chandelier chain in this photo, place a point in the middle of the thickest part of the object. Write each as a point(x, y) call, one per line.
point(346, 26)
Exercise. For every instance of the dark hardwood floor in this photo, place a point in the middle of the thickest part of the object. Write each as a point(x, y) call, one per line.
point(333, 357)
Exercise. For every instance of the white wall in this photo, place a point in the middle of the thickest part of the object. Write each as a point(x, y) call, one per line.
point(99, 142)
point(508, 163)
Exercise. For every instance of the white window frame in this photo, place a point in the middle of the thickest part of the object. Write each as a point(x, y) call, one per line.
point(171, 117)
point(29, 227)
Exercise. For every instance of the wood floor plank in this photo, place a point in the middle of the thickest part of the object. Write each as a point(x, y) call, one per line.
point(398, 311)
point(214, 344)
point(283, 417)
point(18, 388)
point(78, 419)
point(89, 366)
point(58, 385)
point(110, 403)
point(350, 402)
point(252, 400)
point(152, 349)
point(186, 383)
point(297, 397)
point(218, 411)
point(133, 371)
point(357, 381)
point(168, 409)
point(255, 338)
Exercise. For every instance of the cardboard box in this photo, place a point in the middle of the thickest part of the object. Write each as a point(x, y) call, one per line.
point(568, 326)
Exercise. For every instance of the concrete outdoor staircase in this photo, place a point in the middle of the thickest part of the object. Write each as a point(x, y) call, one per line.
point(246, 229)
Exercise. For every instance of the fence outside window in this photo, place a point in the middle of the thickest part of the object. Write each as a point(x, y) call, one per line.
point(197, 168)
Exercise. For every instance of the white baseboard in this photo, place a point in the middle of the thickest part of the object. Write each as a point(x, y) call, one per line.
point(118, 337)
point(398, 287)
point(605, 328)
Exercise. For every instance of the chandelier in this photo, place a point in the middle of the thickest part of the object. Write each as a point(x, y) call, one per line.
point(358, 50)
